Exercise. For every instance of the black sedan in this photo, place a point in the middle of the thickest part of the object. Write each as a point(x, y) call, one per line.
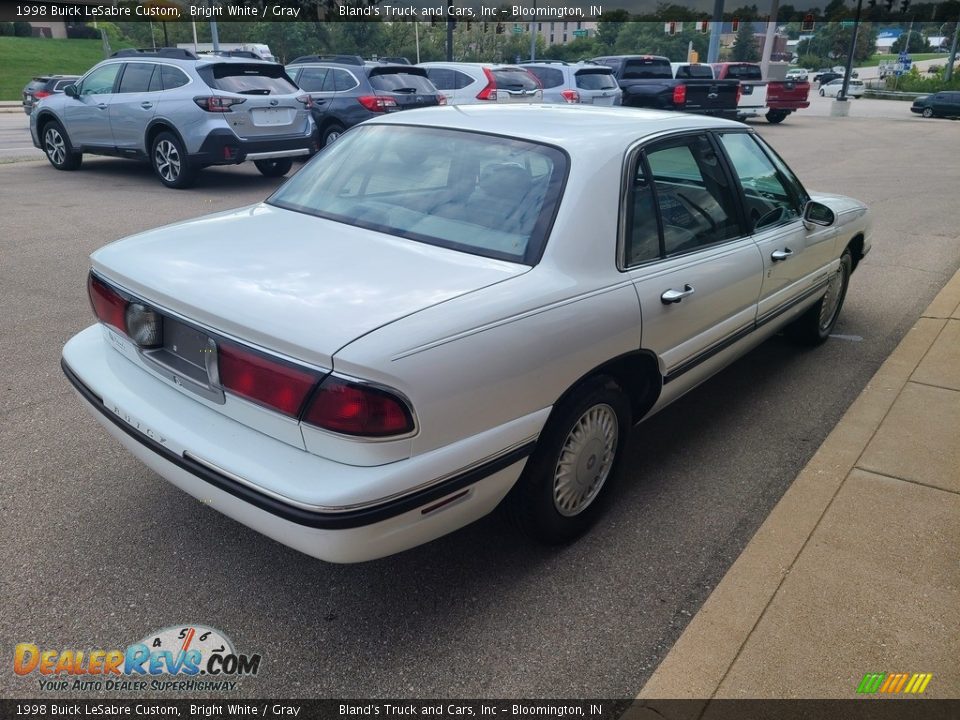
point(945, 103)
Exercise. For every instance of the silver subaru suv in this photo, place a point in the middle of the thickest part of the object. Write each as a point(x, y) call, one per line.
point(180, 112)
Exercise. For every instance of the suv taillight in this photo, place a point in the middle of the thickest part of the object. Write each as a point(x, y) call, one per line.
point(490, 91)
point(217, 103)
point(571, 96)
point(41, 94)
point(355, 409)
point(377, 103)
point(306, 100)
point(680, 95)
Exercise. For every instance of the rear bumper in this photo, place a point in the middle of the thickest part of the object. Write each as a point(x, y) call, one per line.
point(223, 147)
point(788, 105)
point(232, 467)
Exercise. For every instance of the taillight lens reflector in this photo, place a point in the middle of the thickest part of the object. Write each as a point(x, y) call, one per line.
point(571, 96)
point(680, 95)
point(377, 103)
point(42, 94)
point(263, 380)
point(490, 91)
point(354, 409)
point(109, 307)
point(216, 103)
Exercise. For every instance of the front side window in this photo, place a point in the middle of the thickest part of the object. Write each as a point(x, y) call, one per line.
point(475, 193)
point(772, 196)
point(101, 80)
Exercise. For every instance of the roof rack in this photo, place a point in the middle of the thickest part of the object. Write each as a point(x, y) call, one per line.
point(392, 61)
point(341, 59)
point(232, 53)
point(544, 62)
point(167, 52)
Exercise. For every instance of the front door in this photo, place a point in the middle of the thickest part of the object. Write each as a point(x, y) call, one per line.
point(87, 116)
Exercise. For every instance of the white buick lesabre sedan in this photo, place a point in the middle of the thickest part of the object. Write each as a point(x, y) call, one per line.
point(450, 307)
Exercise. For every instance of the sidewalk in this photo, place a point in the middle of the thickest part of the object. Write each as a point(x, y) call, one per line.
point(857, 569)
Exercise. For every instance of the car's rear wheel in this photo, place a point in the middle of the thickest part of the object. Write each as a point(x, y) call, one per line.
point(776, 116)
point(927, 112)
point(58, 149)
point(277, 167)
point(563, 487)
point(816, 324)
point(330, 134)
point(170, 161)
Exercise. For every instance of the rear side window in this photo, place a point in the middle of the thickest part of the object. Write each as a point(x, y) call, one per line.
point(136, 77)
point(441, 78)
point(549, 77)
point(311, 79)
point(342, 80)
point(515, 79)
point(596, 80)
point(248, 79)
point(171, 77)
point(643, 68)
point(403, 82)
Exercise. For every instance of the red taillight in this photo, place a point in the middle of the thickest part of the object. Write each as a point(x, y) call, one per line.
point(216, 103)
point(263, 380)
point(490, 91)
point(107, 304)
point(41, 94)
point(354, 409)
point(571, 96)
point(306, 100)
point(377, 103)
point(680, 95)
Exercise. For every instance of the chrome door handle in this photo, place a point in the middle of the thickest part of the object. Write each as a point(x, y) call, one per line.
point(146, 105)
point(102, 106)
point(674, 296)
point(777, 255)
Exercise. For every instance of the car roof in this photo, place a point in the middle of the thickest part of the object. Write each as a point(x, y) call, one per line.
point(561, 125)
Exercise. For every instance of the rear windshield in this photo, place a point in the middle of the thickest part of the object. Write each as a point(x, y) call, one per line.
point(596, 80)
point(694, 71)
point(744, 72)
point(642, 68)
point(475, 193)
point(248, 79)
point(402, 82)
point(515, 79)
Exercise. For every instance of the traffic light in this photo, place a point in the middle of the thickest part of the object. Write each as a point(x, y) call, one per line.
point(904, 5)
point(499, 28)
point(808, 23)
point(671, 28)
point(735, 25)
point(703, 26)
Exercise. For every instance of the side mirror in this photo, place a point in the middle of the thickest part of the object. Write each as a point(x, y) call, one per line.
point(817, 214)
point(71, 91)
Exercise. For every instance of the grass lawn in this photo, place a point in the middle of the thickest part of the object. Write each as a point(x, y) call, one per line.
point(23, 58)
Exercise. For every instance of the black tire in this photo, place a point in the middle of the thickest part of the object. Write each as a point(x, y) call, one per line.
point(278, 167)
point(57, 147)
point(822, 93)
point(776, 116)
point(927, 112)
point(330, 133)
point(556, 507)
point(170, 162)
point(813, 327)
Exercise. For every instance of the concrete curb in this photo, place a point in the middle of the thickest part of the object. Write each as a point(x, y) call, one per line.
point(700, 660)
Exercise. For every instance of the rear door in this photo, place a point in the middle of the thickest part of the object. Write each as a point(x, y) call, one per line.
point(597, 86)
point(270, 104)
point(133, 106)
point(409, 86)
point(313, 80)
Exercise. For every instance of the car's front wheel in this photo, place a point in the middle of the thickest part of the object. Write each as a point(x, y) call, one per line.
point(170, 162)
point(927, 112)
point(816, 324)
point(58, 149)
point(277, 167)
point(562, 489)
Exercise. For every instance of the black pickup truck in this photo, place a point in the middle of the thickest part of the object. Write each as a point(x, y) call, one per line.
point(647, 81)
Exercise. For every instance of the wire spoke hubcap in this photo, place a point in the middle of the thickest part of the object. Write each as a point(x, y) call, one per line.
point(55, 147)
point(585, 460)
point(168, 160)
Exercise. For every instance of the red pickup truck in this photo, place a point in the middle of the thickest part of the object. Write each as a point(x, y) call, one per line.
point(785, 96)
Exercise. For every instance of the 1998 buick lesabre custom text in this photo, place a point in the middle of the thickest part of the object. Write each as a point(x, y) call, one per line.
point(454, 305)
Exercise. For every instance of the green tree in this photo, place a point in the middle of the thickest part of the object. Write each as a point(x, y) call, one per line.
point(917, 43)
point(745, 45)
point(609, 26)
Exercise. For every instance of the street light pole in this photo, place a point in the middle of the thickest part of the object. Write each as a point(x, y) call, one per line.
point(948, 73)
point(713, 52)
point(853, 46)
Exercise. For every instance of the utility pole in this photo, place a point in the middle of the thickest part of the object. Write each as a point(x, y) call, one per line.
point(768, 39)
point(533, 33)
point(853, 46)
point(948, 73)
point(449, 31)
point(214, 35)
point(713, 52)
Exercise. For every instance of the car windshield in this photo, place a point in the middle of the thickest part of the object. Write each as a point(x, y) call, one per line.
point(476, 193)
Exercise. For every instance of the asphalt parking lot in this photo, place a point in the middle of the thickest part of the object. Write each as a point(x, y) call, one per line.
point(97, 551)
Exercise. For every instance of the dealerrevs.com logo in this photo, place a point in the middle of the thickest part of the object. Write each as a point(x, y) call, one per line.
point(186, 658)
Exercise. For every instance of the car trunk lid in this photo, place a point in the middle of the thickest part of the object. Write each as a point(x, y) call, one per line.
point(407, 85)
point(292, 283)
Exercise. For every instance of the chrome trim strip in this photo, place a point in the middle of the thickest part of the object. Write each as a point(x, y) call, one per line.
point(277, 154)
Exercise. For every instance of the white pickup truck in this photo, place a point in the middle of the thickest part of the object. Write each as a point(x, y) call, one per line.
point(753, 89)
